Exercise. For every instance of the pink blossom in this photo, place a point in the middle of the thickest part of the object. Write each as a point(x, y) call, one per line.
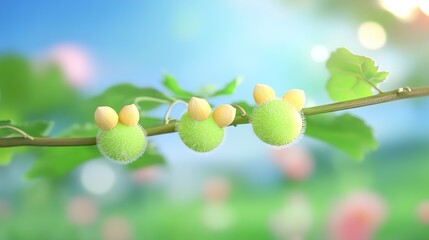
point(82, 211)
point(357, 217)
point(423, 212)
point(295, 162)
point(116, 227)
point(216, 190)
point(75, 62)
point(147, 175)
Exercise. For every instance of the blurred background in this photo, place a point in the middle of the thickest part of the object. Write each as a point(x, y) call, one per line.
point(244, 189)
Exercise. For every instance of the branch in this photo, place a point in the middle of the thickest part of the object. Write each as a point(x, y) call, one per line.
point(401, 93)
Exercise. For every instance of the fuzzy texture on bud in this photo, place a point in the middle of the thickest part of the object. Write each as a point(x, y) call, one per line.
point(224, 115)
point(122, 144)
point(200, 136)
point(295, 97)
point(199, 109)
point(106, 118)
point(263, 93)
point(129, 115)
point(277, 123)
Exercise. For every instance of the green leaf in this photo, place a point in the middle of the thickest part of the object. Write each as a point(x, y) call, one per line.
point(150, 157)
point(345, 132)
point(229, 88)
point(122, 94)
point(56, 162)
point(5, 122)
point(171, 84)
point(148, 122)
point(35, 129)
point(352, 76)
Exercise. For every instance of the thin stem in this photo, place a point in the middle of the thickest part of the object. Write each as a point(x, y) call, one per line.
point(167, 114)
point(24, 134)
point(149, 99)
point(402, 93)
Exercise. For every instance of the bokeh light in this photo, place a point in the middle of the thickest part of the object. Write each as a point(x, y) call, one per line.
point(97, 177)
point(319, 53)
point(76, 63)
point(357, 217)
point(423, 212)
point(216, 189)
point(217, 217)
point(116, 228)
point(372, 35)
point(403, 9)
point(295, 162)
point(294, 220)
point(5, 210)
point(148, 175)
point(82, 211)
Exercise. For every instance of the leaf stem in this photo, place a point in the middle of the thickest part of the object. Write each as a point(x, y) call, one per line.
point(399, 94)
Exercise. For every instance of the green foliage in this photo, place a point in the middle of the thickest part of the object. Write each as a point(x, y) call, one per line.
point(122, 94)
point(55, 162)
point(35, 129)
point(352, 76)
point(345, 132)
point(27, 94)
point(5, 122)
point(171, 84)
point(229, 88)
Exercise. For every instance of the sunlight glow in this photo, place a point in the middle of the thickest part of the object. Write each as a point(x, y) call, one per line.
point(319, 53)
point(97, 178)
point(403, 9)
point(372, 35)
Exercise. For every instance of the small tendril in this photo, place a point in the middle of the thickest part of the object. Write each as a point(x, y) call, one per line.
point(167, 114)
point(24, 134)
point(243, 112)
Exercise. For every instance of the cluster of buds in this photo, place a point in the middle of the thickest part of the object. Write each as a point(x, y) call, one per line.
point(106, 117)
point(264, 93)
point(199, 109)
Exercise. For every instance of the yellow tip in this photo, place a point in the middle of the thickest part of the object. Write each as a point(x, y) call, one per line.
point(106, 118)
point(129, 115)
point(263, 93)
point(296, 97)
point(199, 109)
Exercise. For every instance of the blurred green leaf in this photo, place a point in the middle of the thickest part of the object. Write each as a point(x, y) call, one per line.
point(150, 157)
point(5, 156)
point(229, 88)
point(35, 129)
point(148, 122)
point(118, 96)
point(171, 84)
point(26, 92)
point(206, 91)
point(345, 132)
point(352, 76)
point(55, 162)
point(5, 122)
point(247, 107)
